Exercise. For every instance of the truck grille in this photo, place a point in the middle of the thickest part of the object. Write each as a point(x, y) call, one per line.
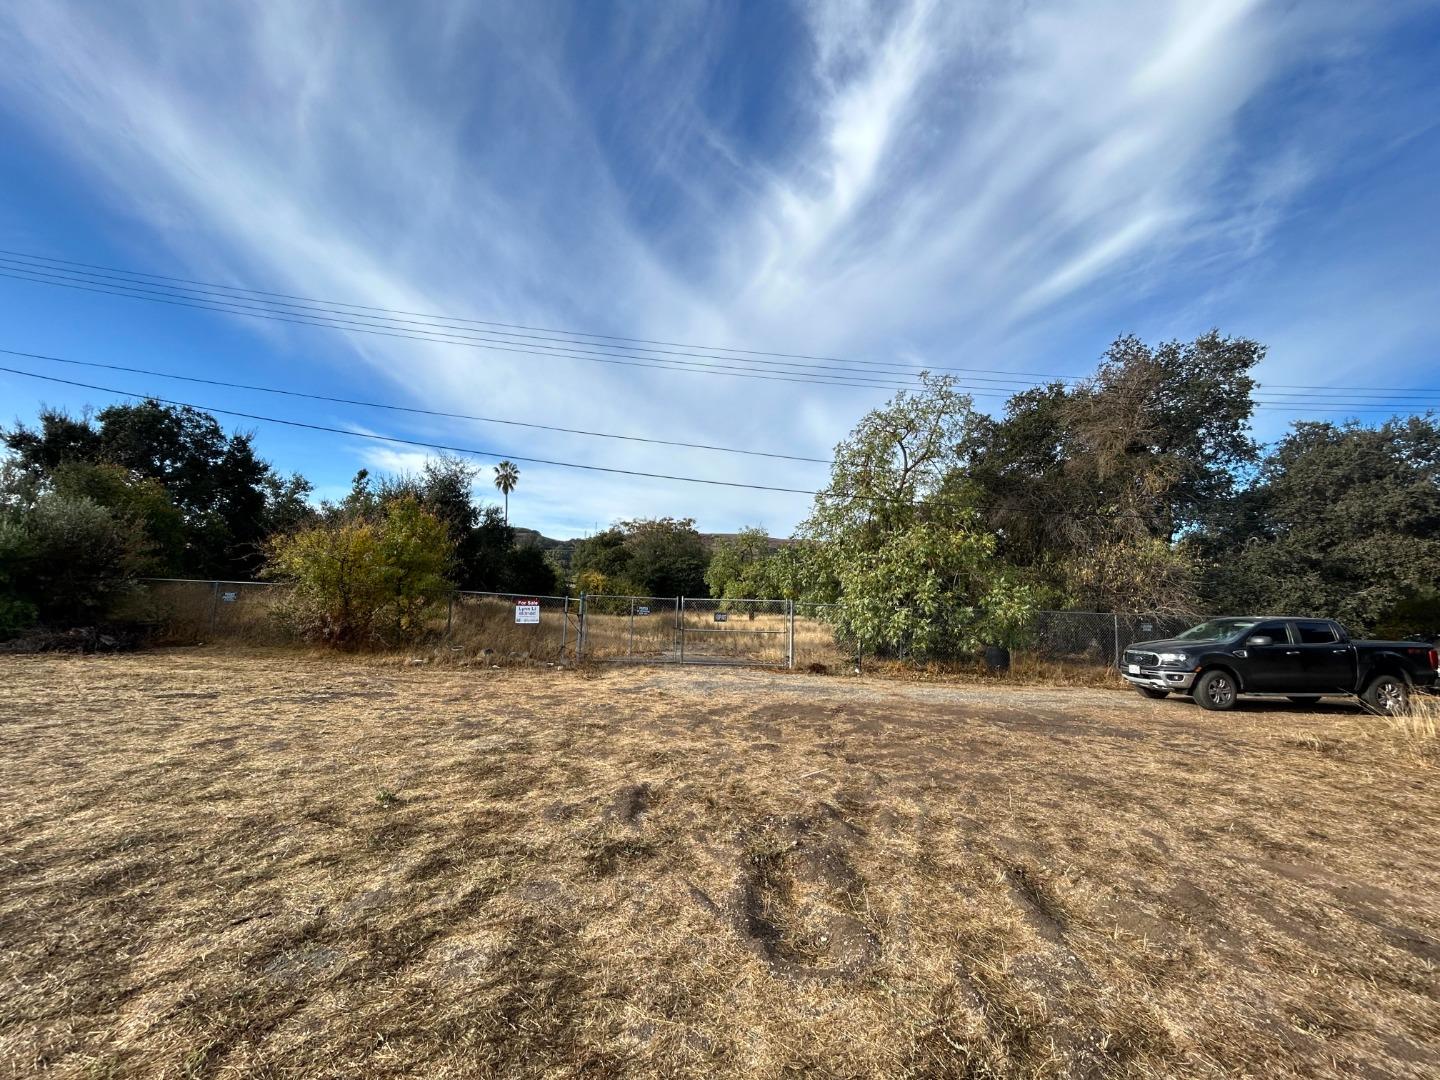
point(1144, 659)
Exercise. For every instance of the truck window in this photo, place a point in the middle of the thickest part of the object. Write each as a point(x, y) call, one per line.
point(1316, 633)
point(1278, 630)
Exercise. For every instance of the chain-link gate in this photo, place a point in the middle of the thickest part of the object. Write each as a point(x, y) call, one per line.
point(685, 630)
point(639, 628)
point(759, 633)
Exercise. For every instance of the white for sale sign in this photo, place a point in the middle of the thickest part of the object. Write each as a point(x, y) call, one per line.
point(527, 612)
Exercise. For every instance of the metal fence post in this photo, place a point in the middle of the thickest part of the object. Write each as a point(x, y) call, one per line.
point(1116, 657)
point(580, 633)
point(680, 625)
point(564, 626)
point(214, 606)
point(450, 616)
point(790, 645)
point(630, 649)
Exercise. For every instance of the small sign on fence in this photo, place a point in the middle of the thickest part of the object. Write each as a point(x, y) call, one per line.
point(527, 612)
point(229, 597)
point(722, 616)
point(642, 610)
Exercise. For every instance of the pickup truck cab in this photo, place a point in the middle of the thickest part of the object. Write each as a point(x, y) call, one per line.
point(1301, 659)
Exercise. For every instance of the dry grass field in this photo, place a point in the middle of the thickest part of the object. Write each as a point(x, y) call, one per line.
point(265, 864)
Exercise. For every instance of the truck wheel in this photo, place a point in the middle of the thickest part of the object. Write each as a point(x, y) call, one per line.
point(1304, 699)
point(1216, 691)
point(1152, 693)
point(1387, 694)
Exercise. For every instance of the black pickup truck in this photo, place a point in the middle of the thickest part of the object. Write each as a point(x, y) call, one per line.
point(1302, 659)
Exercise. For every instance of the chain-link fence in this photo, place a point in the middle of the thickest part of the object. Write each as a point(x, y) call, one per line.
point(756, 632)
point(638, 628)
point(183, 611)
point(513, 626)
point(560, 629)
point(1093, 638)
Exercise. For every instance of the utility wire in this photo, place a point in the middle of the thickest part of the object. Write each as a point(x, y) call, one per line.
point(572, 337)
point(803, 378)
point(410, 409)
point(497, 455)
point(494, 454)
point(564, 334)
point(876, 369)
point(349, 326)
point(1305, 401)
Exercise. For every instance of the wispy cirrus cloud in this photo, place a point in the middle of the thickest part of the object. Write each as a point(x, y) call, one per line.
point(969, 184)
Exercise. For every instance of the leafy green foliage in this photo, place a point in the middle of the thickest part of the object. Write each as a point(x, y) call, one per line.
point(644, 557)
point(1089, 487)
point(219, 486)
point(66, 558)
point(1343, 521)
point(733, 560)
point(360, 581)
point(895, 541)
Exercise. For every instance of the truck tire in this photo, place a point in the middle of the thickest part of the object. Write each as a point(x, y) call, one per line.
point(1387, 694)
point(1304, 699)
point(1216, 691)
point(1152, 693)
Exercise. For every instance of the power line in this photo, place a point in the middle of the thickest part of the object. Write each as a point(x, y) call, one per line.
point(409, 409)
point(495, 454)
point(802, 378)
point(176, 300)
point(1311, 401)
point(571, 337)
point(43, 274)
point(499, 455)
point(563, 334)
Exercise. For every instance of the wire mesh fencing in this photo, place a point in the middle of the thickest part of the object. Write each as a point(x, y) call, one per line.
point(757, 632)
point(513, 626)
point(1093, 638)
point(630, 628)
point(185, 611)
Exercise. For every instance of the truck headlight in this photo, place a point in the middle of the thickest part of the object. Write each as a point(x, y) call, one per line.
point(1173, 658)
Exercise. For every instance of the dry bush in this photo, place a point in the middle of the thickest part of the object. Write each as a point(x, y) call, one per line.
point(1417, 731)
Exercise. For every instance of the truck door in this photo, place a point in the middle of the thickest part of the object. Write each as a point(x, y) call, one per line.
point(1272, 668)
point(1327, 664)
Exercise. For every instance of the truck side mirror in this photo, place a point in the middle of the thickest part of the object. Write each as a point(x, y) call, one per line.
point(1261, 639)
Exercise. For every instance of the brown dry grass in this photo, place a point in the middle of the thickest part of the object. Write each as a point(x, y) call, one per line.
point(268, 864)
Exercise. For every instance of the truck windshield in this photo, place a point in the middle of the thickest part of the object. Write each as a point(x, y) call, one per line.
point(1216, 630)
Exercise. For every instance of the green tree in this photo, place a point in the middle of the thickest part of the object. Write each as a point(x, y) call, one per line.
point(733, 559)
point(67, 558)
point(361, 581)
point(667, 556)
point(603, 559)
point(1092, 486)
point(527, 570)
point(507, 475)
point(896, 541)
point(217, 482)
point(140, 503)
point(1343, 522)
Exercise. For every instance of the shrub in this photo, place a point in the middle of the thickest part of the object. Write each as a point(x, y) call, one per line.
point(67, 558)
point(365, 582)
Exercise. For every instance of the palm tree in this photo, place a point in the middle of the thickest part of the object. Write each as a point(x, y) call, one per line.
point(506, 477)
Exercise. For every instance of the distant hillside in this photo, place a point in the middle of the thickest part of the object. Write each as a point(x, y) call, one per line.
point(562, 549)
point(775, 542)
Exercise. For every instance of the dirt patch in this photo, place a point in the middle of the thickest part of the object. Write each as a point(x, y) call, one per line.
point(274, 864)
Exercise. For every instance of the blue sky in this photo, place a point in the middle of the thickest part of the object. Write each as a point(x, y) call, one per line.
point(983, 185)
